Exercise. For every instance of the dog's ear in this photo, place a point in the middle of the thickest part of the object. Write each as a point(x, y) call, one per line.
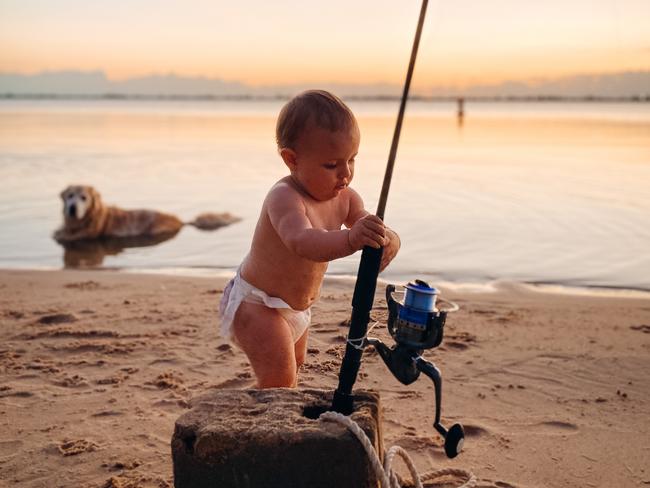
point(94, 196)
point(62, 194)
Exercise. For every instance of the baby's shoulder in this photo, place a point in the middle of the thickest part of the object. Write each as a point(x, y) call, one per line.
point(283, 194)
point(350, 194)
point(283, 189)
point(351, 199)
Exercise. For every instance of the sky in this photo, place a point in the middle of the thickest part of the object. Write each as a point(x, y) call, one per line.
point(261, 42)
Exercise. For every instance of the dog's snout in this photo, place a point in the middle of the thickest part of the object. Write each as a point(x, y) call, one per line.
point(72, 210)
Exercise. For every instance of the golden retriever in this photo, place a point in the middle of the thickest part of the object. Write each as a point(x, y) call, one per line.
point(85, 216)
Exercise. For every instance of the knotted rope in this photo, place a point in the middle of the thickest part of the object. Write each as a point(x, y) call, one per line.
point(386, 474)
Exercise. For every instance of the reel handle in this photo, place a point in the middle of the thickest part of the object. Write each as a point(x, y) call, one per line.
point(454, 437)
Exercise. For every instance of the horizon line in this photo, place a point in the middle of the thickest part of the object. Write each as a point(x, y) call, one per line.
point(283, 97)
point(174, 74)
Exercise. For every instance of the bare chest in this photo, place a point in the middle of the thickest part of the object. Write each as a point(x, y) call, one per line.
point(329, 215)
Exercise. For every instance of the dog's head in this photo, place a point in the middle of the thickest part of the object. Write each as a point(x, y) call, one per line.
point(78, 200)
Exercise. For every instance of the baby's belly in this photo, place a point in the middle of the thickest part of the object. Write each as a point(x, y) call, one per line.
point(297, 283)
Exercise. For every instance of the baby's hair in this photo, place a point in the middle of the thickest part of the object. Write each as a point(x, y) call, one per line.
point(320, 107)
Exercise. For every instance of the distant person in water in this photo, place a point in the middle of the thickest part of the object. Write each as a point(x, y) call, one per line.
point(265, 308)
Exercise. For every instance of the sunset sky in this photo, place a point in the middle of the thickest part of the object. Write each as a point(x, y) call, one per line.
point(353, 41)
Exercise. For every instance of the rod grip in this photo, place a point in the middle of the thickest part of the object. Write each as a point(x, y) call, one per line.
point(362, 300)
point(364, 289)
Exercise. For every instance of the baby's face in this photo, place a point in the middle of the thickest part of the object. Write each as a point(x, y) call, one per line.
point(324, 161)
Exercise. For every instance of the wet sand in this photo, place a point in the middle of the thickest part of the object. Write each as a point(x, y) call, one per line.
point(553, 389)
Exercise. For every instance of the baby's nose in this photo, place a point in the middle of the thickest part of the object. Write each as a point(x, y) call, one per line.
point(345, 171)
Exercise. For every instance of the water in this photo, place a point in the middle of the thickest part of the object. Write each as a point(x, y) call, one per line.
point(532, 192)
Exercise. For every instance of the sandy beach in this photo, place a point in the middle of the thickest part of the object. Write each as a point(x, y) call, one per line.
point(553, 389)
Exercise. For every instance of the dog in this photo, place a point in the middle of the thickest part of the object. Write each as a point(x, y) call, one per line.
point(86, 217)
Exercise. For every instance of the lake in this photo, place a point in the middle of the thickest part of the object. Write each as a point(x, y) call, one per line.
point(535, 192)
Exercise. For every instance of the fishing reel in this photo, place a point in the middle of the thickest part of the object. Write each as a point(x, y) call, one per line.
point(416, 324)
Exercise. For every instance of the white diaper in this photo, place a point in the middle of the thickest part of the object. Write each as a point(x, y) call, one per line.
point(239, 290)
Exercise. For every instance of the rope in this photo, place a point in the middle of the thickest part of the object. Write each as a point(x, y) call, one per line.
point(360, 342)
point(386, 474)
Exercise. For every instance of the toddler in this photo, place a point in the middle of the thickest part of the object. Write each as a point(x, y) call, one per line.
point(265, 308)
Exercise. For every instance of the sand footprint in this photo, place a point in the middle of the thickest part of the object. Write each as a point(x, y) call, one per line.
point(14, 314)
point(412, 442)
point(324, 330)
point(558, 427)
point(641, 328)
point(83, 285)
point(169, 380)
point(74, 447)
point(340, 338)
point(107, 413)
point(243, 379)
point(77, 347)
point(122, 465)
point(115, 379)
point(459, 341)
point(489, 483)
point(57, 318)
point(474, 430)
point(483, 312)
point(67, 332)
point(8, 392)
point(75, 381)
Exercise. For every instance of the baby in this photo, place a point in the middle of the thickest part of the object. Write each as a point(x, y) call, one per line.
point(265, 309)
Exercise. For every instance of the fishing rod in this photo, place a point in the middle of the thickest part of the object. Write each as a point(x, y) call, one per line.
point(415, 325)
point(364, 290)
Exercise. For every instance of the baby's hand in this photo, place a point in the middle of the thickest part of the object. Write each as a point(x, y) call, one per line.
point(367, 231)
point(390, 249)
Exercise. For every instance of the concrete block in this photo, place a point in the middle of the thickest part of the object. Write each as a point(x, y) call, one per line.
point(272, 438)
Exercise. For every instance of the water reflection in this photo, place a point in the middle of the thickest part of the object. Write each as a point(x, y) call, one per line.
point(460, 112)
point(90, 253)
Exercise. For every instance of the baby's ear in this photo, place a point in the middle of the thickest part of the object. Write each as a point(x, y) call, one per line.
point(289, 157)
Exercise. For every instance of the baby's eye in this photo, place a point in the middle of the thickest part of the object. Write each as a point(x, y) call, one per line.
point(330, 165)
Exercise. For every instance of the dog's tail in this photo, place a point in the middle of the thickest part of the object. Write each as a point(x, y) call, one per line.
point(212, 221)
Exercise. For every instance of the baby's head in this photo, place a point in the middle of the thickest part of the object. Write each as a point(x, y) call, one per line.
point(318, 137)
point(309, 109)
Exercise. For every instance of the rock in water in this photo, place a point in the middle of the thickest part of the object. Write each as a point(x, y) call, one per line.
point(212, 221)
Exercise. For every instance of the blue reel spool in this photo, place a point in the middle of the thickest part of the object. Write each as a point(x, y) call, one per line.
point(416, 322)
point(420, 296)
point(419, 303)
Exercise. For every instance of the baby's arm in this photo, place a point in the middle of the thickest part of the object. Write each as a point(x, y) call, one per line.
point(288, 215)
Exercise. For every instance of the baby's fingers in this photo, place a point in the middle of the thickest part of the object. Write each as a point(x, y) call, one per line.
point(373, 239)
point(376, 226)
point(373, 218)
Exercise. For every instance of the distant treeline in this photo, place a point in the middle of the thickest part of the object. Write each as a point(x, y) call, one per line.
point(499, 98)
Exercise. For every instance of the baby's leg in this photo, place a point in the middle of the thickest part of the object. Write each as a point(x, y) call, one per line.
point(266, 339)
point(300, 350)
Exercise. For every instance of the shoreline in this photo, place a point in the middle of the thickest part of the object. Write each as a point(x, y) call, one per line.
point(469, 286)
point(552, 389)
